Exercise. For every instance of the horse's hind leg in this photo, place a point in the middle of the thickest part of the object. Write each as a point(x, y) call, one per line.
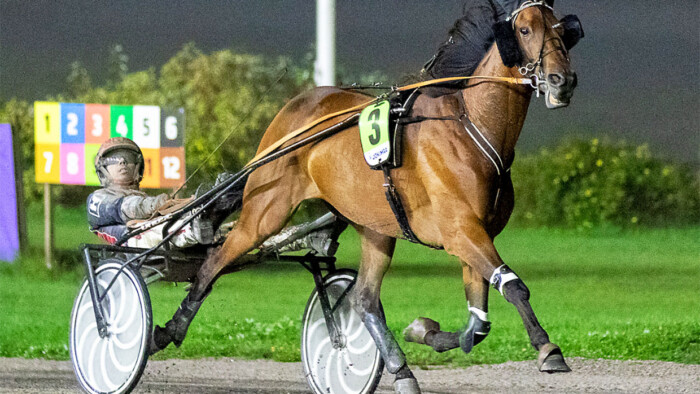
point(376, 258)
point(258, 221)
point(427, 331)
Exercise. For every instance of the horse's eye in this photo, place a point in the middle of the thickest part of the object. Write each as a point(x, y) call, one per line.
point(524, 31)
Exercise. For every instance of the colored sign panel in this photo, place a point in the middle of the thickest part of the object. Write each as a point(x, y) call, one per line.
point(173, 130)
point(97, 123)
point(47, 123)
point(73, 123)
point(122, 120)
point(147, 126)
point(9, 231)
point(72, 164)
point(68, 135)
point(91, 178)
point(172, 161)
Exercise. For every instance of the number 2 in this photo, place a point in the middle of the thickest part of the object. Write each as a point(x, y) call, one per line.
point(72, 123)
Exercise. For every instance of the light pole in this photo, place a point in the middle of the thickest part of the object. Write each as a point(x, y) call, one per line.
point(324, 67)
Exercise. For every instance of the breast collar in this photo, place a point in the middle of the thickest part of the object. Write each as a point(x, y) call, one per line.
point(484, 146)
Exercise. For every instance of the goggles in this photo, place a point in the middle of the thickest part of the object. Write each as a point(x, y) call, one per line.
point(119, 157)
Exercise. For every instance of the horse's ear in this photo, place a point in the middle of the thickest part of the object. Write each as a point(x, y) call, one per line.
point(507, 44)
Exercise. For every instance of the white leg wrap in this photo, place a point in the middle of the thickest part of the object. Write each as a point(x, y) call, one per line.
point(483, 316)
point(501, 276)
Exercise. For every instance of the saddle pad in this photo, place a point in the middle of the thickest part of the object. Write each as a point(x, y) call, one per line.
point(374, 133)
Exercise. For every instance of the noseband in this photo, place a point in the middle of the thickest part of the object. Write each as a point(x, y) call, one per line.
point(533, 68)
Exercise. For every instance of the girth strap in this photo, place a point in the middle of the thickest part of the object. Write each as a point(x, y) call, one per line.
point(392, 196)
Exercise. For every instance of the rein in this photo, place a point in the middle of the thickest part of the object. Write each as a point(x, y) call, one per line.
point(533, 82)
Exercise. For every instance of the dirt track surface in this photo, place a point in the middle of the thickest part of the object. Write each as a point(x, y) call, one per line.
point(242, 376)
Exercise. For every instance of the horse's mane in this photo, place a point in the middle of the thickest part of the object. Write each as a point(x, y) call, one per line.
point(470, 39)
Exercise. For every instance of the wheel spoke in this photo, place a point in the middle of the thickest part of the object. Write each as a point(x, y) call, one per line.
point(115, 360)
point(342, 375)
point(312, 330)
point(351, 366)
point(355, 350)
point(90, 370)
point(128, 345)
point(103, 364)
point(329, 367)
point(120, 301)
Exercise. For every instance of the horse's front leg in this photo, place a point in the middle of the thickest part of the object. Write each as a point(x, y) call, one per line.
point(475, 246)
point(427, 331)
point(377, 251)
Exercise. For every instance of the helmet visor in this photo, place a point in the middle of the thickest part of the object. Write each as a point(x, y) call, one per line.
point(120, 156)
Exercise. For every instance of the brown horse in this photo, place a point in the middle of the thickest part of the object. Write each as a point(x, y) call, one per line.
point(454, 193)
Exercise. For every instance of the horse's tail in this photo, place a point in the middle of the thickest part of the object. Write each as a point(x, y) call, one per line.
point(229, 203)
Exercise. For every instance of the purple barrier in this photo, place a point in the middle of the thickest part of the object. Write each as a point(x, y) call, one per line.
point(9, 234)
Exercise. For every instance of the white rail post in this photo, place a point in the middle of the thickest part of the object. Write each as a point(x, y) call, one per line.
point(324, 67)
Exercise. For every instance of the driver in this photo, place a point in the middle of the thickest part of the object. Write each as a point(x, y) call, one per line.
point(119, 203)
point(119, 206)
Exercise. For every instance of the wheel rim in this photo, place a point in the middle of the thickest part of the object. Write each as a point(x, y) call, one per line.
point(113, 363)
point(352, 368)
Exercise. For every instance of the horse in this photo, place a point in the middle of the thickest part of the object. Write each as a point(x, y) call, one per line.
point(456, 190)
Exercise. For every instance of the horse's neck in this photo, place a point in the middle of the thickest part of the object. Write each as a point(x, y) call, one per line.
point(497, 108)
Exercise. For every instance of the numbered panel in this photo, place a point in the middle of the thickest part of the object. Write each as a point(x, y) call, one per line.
point(73, 123)
point(97, 123)
point(72, 164)
point(121, 122)
point(173, 130)
point(46, 163)
point(91, 178)
point(152, 168)
point(47, 123)
point(147, 126)
point(68, 136)
point(172, 161)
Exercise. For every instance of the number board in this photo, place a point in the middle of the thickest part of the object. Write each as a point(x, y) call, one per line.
point(67, 137)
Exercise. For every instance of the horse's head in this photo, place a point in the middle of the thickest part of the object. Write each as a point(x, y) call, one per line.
point(535, 41)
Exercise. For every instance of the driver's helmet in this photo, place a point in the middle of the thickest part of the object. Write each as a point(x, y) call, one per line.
point(109, 150)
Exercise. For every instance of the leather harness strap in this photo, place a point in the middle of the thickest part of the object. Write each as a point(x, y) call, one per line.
point(481, 142)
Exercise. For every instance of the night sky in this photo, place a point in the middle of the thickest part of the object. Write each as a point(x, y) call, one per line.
point(639, 65)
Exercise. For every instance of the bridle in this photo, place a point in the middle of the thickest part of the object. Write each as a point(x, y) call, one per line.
point(533, 68)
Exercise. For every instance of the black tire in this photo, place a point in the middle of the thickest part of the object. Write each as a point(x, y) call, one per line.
point(115, 363)
point(357, 366)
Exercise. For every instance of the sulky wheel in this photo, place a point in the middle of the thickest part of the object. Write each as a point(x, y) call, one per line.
point(356, 365)
point(112, 364)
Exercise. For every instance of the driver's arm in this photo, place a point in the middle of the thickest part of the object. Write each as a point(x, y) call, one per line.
point(139, 208)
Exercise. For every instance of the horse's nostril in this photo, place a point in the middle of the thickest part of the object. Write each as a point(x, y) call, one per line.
point(556, 79)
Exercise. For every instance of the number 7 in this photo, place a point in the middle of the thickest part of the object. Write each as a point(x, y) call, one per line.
point(49, 160)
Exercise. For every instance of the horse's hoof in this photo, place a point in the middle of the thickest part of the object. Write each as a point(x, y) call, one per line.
point(416, 331)
point(160, 339)
point(551, 359)
point(406, 386)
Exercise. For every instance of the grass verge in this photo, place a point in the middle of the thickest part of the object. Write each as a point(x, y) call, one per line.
point(616, 295)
